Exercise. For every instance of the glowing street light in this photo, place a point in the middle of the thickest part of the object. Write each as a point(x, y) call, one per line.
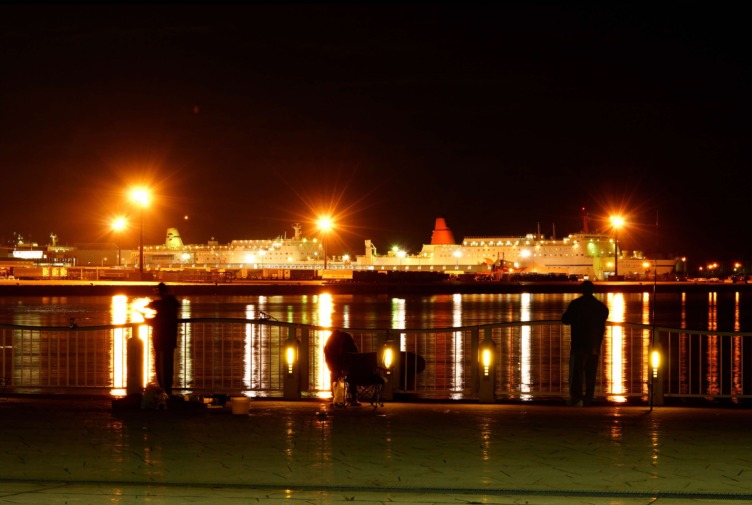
point(118, 225)
point(401, 254)
point(616, 223)
point(457, 255)
point(684, 267)
point(141, 197)
point(325, 224)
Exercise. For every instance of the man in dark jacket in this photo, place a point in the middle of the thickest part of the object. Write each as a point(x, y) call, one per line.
point(587, 316)
point(338, 352)
point(164, 335)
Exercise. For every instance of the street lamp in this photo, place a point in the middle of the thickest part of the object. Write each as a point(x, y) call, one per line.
point(684, 267)
point(457, 254)
point(401, 254)
point(141, 197)
point(616, 223)
point(118, 225)
point(325, 224)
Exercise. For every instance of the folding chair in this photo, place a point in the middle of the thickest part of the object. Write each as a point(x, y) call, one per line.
point(368, 377)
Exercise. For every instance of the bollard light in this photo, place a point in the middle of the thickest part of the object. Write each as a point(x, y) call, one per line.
point(389, 360)
point(486, 356)
point(293, 361)
point(655, 362)
point(484, 374)
point(387, 356)
point(656, 377)
point(291, 354)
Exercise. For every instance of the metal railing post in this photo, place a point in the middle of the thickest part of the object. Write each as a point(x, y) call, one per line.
point(135, 365)
point(304, 342)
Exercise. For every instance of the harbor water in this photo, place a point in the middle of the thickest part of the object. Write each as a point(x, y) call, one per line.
point(713, 311)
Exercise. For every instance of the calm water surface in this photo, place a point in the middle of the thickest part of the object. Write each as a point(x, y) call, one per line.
point(700, 311)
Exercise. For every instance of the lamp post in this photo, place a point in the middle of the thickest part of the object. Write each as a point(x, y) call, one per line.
point(616, 222)
point(141, 197)
point(401, 254)
point(325, 224)
point(119, 224)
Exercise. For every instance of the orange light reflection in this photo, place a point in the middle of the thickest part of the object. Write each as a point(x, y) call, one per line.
point(614, 359)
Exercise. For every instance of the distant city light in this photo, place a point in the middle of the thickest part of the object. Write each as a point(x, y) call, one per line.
point(28, 255)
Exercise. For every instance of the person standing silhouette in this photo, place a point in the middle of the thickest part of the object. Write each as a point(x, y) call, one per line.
point(587, 317)
point(164, 335)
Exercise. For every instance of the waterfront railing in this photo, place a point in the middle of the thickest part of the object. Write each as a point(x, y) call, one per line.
point(530, 360)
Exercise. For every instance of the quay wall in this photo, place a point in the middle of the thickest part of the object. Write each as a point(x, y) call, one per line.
point(105, 288)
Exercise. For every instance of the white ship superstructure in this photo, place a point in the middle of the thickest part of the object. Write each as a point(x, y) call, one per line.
point(590, 255)
point(585, 255)
point(279, 252)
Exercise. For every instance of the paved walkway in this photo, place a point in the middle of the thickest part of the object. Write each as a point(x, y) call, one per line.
point(79, 451)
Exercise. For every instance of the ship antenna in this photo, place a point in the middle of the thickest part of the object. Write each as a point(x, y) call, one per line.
point(584, 215)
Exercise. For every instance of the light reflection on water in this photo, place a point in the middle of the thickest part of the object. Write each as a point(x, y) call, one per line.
point(614, 346)
point(325, 313)
point(713, 311)
point(525, 346)
point(698, 311)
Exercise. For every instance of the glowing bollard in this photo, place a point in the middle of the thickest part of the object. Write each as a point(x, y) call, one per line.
point(292, 369)
point(656, 376)
point(487, 383)
point(389, 361)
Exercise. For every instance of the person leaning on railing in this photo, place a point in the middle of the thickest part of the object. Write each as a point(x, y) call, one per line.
point(164, 335)
point(587, 317)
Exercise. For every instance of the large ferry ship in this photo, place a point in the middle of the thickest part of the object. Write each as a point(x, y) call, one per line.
point(584, 255)
point(581, 255)
point(243, 256)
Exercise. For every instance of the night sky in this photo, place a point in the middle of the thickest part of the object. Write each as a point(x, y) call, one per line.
point(503, 118)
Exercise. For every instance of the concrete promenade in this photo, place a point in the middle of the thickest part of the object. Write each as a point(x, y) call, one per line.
point(78, 450)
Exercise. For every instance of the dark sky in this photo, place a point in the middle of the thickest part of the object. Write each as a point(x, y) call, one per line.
point(504, 118)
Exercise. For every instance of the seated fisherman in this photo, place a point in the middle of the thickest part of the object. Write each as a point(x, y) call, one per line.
point(337, 351)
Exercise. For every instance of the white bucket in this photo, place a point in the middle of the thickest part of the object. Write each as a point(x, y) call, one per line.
point(241, 405)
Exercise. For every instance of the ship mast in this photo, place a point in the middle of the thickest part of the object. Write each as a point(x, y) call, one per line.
point(584, 216)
